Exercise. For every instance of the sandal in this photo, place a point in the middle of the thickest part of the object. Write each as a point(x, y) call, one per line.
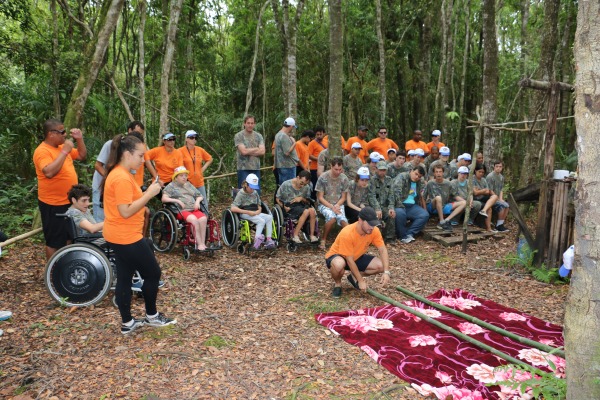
point(322, 245)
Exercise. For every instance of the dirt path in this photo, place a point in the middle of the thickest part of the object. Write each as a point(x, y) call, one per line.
point(245, 326)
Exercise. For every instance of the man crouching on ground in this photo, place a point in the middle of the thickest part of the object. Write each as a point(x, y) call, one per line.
point(348, 253)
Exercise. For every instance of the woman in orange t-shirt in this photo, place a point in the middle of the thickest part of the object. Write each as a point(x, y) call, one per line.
point(196, 160)
point(124, 205)
point(166, 158)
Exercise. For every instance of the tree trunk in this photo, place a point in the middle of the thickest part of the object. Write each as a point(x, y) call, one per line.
point(425, 118)
point(254, 58)
point(141, 61)
point(463, 76)
point(380, 41)
point(445, 106)
point(539, 100)
point(336, 77)
point(492, 145)
point(440, 87)
point(93, 60)
point(55, 72)
point(582, 318)
point(167, 62)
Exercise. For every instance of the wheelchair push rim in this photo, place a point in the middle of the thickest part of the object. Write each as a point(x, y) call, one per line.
point(163, 230)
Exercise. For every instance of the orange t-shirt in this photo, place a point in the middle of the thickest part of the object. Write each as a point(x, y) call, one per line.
point(315, 148)
point(364, 152)
point(193, 161)
point(349, 243)
point(431, 144)
point(412, 145)
point(121, 188)
point(53, 191)
point(382, 146)
point(302, 151)
point(164, 161)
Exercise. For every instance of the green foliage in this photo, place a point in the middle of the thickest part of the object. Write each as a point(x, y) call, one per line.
point(544, 385)
point(524, 258)
point(217, 341)
point(18, 203)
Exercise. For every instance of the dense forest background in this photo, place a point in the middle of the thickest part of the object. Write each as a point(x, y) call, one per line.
point(405, 64)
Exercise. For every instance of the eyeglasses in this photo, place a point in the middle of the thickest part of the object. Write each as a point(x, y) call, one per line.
point(62, 132)
point(383, 133)
point(170, 140)
point(192, 137)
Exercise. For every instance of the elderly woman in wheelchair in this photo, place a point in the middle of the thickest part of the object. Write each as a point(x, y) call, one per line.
point(188, 199)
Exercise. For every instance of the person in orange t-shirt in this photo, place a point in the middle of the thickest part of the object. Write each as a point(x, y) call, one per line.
point(315, 147)
point(53, 160)
point(360, 137)
point(196, 160)
point(435, 141)
point(302, 150)
point(416, 142)
point(124, 205)
point(382, 144)
point(166, 158)
point(348, 253)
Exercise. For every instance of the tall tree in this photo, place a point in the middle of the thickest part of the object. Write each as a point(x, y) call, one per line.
point(381, 47)
point(167, 63)
point(582, 318)
point(254, 57)
point(141, 61)
point(93, 60)
point(491, 138)
point(336, 76)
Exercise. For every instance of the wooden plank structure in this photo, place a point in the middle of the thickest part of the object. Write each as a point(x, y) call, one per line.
point(562, 223)
point(448, 239)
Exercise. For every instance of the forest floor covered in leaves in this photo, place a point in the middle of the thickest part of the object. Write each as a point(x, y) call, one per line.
point(246, 326)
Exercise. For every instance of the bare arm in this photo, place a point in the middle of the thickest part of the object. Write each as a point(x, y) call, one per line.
point(55, 166)
point(385, 260)
point(128, 210)
point(206, 164)
point(91, 228)
point(99, 167)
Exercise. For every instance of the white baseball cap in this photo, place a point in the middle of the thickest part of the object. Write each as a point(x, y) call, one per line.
point(290, 122)
point(419, 152)
point(375, 156)
point(410, 153)
point(436, 133)
point(356, 145)
point(463, 170)
point(363, 173)
point(252, 181)
point(191, 133)
point(444, 151)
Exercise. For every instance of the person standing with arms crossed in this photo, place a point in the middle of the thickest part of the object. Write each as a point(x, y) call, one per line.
point(53, 160)
point(124, 204)
point(250, 146)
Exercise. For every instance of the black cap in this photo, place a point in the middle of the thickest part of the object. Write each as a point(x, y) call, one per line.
point(363, 128)
point(369, 215)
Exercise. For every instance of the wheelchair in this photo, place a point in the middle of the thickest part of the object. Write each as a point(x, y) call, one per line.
point(237, 232)
point(289, 225)
point(167, 227)
point(81, 274)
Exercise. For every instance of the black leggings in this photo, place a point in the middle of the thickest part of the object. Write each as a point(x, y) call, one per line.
point(129, 258)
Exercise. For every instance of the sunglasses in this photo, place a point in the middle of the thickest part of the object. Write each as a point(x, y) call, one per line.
point(383, 133)
point(170, 140)
point(192, 137)
point(57, 131)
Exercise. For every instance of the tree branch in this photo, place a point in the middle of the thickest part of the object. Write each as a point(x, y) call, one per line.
point(65, 7)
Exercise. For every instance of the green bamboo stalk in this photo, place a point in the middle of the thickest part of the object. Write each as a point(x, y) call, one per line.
point(456, 333)
point(470, 318)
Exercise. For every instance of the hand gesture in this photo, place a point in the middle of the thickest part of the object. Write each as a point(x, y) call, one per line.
point(76, 133)
point(385, 279)
point(378, 214)
point(362, 285)
point(154, 189)
point(68, 145)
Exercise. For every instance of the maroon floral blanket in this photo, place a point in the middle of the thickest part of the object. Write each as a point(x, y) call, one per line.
point(438, 363)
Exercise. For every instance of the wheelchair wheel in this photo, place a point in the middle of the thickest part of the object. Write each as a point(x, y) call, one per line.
point(186, 253)
point(291, 247)
point(279, 223)
point(230, 228)
point(78, 275)
point(163, 230)
point(241, 248)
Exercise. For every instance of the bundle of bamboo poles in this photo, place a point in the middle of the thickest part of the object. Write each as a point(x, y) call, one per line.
point(540, 346)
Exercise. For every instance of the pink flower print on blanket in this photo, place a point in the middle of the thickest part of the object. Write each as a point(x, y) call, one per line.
point(460, 302)
point(372, 353)
point(454, 393)
point(443, 377)
point(431, 313)
point(470, 329)
point(483, 373)
point(366, 323)
point(534, 356)
point(509, 316)
point(421, 340)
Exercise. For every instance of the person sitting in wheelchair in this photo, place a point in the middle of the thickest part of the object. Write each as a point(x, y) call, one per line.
point(248, 205)
point(80, 211)
point(293, 196)
point(188, 199)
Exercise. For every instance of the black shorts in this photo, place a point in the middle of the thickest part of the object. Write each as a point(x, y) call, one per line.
point(296, 210)
point(362, 262)
point(56, 229)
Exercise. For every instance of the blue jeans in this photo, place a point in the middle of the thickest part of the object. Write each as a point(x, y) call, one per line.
point(411, 212)
point(98, 211)
point(285, 174)
point(243, 173)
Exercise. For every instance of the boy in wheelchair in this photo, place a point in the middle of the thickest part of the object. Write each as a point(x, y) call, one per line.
point(247, 204)
point(80, 213)
point(188, 199)
point(293, 196)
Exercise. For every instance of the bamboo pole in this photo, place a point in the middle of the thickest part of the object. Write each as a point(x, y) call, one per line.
point(20, 237)
point(470, 318)
point(453, 331)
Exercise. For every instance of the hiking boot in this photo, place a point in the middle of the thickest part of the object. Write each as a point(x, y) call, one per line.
point(258, 241)
point(337, 292)
point(501, 228)
point(137, 323)
point(440, 224)
point(353, 281)
point(407, 239)
point(483, 213)
point(159, 320)
point(270, 244)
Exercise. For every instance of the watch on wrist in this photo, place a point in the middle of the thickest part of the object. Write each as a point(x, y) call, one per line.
point(387, 273)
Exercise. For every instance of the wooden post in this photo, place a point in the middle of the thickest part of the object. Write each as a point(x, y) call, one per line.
point(542, 229)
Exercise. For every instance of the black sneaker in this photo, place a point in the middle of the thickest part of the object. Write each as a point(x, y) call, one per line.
point(337, 292)
point(159, 320)
point(137, 323)
point(446, 226)
point(353, 281)
point(501, 228)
